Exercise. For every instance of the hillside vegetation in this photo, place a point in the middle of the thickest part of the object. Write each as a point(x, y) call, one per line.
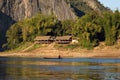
point(90, 29)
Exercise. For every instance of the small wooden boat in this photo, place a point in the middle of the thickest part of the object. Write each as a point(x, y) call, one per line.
point(59, 57)
point(51, 58)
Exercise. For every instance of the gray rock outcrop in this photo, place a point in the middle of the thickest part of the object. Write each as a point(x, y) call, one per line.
point(19, 9)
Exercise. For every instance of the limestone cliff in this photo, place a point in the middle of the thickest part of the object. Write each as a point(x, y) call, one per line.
point(95, 5)
point(87, 6)
point(19, 9)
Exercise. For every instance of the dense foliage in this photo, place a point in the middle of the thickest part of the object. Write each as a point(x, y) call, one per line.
point(111, 24)
point(90, 29)
point(93, 28)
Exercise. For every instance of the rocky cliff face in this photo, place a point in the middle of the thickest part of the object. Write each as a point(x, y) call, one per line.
point(87, 6)
point(95, 5)
point(19, 9)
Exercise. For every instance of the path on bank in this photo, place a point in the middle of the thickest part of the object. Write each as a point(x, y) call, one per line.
point(28, 47)
point(49, 50)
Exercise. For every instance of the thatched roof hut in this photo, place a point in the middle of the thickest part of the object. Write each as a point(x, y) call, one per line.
point(63, 39)
point(43, 39)
point(50, 39)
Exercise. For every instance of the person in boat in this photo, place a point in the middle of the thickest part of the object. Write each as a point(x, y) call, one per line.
point(59, 57)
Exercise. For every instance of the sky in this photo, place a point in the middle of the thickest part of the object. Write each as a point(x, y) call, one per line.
point(112, 4)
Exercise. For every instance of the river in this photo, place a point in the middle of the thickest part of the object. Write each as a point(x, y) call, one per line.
point(59, 69)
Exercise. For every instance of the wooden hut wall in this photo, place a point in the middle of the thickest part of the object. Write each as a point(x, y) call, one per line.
point(64, 40)
point(43, 39)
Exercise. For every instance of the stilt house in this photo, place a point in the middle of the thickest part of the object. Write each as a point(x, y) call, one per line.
point(63, 39)
point(44, 39)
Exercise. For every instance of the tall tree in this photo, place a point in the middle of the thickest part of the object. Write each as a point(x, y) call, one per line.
point(111, 25)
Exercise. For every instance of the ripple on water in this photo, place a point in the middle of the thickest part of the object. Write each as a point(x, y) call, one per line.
point(59, 69)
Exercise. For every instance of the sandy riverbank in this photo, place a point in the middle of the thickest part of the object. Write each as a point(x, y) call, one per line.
point(54, 53)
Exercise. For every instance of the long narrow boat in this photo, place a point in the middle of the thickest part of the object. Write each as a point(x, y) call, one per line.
point(51, 58)
point(59, 57)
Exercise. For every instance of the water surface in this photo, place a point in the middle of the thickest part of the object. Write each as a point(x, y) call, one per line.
point(59, 69)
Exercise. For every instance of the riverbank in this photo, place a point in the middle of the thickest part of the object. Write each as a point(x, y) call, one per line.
point(56, 53)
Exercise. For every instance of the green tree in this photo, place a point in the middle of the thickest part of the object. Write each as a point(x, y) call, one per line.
point(87, 30)
point(66, 28)
point(111, 25)
point(13, 36)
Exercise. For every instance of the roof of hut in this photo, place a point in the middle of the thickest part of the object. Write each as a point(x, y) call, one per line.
point(63, 37)
point(43, 38)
